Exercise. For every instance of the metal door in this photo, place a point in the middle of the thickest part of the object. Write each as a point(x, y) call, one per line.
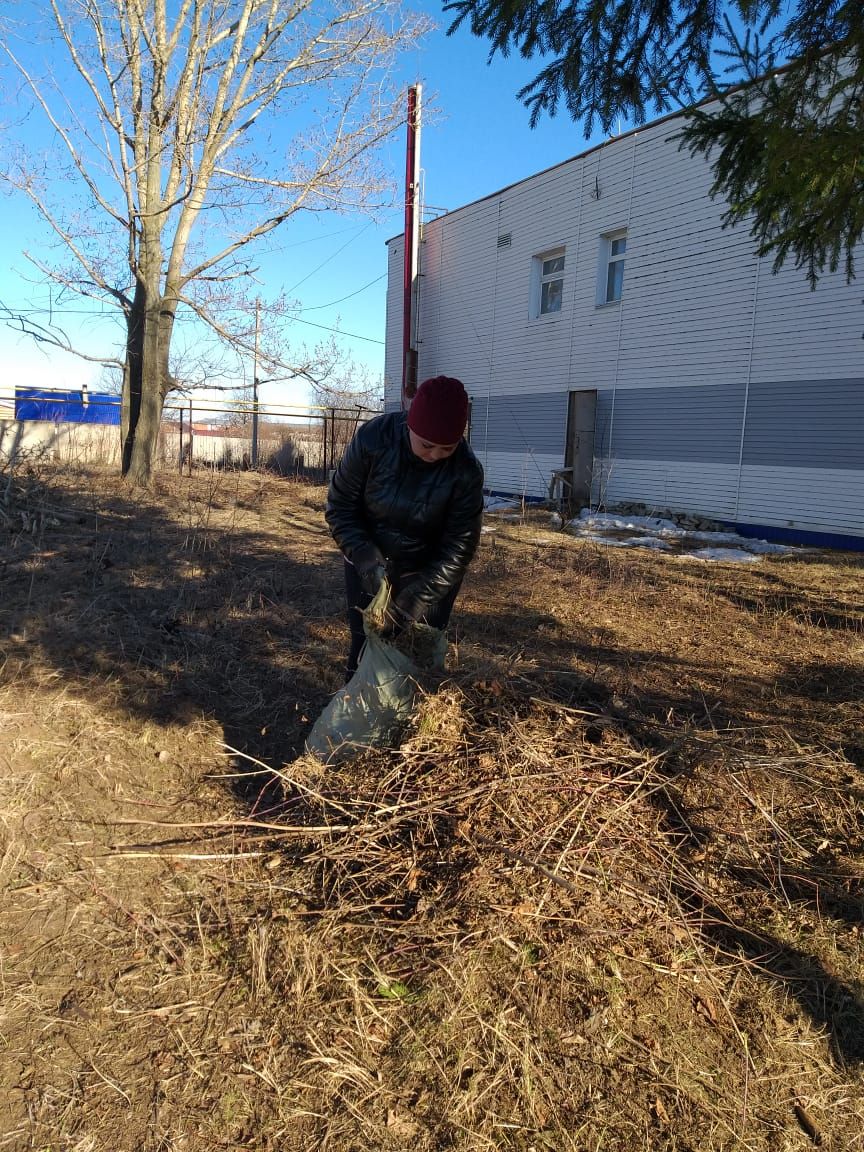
point(579, 453)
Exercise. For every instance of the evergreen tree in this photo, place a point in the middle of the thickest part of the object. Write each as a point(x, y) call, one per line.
point(781, 117)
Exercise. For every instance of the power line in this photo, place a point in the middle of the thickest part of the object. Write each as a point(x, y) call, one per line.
point(311, 240)
point(333, 303)
point(294, 319)
point(333, 256)
point(338, 331)
point(54, 310)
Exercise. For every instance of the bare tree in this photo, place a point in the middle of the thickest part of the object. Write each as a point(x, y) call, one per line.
point(194, 129)
point(348, 385)
point(349, 395)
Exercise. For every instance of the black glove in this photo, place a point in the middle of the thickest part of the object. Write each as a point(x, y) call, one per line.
point(369, 565)
point(407, 605)
point(405, 609)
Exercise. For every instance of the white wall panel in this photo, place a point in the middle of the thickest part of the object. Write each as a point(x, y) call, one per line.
point(521, 473)
point(706, 489)
point(807, 499)
point(800, 334)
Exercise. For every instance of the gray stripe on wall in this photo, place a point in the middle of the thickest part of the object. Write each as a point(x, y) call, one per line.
point(701, 423)
point(806, 424)
point(517, 423)
point(790, 424)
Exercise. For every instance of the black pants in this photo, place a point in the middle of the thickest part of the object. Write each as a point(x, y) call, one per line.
point(436, 615)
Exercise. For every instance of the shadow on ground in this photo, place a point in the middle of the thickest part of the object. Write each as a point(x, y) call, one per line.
point(169, 619)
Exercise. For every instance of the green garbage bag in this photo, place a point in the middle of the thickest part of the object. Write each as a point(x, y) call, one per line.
point(374, 706)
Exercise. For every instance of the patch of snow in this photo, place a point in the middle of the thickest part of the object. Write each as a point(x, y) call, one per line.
point(738, 555)
point(655, 532)
point(717, 537)
point(654, 542)
point(605, 522)
point(765, 548)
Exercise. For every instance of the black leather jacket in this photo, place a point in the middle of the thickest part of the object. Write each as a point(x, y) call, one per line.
point(425, 518)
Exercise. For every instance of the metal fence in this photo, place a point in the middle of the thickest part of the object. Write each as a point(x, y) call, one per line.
point(301, 441)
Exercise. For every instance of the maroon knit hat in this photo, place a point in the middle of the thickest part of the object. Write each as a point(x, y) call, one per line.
point(439, 410)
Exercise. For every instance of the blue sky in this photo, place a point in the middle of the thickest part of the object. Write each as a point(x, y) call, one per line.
point(476, 139)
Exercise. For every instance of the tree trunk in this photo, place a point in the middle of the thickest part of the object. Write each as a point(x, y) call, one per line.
point(130, 401)
point(145, 381)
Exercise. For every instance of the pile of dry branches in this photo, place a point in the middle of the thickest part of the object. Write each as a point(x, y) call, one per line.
point(522, 927)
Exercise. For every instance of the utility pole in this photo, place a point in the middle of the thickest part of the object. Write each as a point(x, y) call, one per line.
point(254, 454)
point(411, 256)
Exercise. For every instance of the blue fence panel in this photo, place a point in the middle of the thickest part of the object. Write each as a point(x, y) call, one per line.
point(66, 407)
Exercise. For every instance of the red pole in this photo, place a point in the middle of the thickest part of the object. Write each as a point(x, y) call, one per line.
point(412, 174)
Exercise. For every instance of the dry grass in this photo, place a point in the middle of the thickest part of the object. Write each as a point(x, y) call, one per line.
point(606, 895)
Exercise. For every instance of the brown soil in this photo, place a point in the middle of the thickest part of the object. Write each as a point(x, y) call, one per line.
point(606, 895)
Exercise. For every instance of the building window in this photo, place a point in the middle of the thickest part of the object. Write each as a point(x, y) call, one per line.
point(551, 283)
point(547, 283)
point(613, 249)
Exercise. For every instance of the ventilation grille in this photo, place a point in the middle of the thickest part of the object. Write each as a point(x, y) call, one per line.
point(506, 240)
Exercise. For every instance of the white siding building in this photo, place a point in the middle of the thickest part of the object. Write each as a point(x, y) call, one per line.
point(602, 319)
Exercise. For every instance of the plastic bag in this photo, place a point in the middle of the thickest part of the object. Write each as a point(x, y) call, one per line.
point(374, 706)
